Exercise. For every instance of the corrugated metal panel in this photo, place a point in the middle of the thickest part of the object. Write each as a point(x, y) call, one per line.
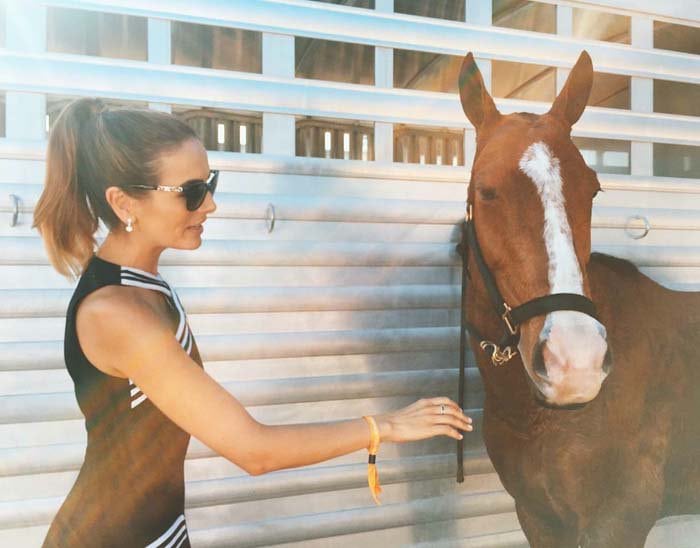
point(349, 307)
point(352, 334)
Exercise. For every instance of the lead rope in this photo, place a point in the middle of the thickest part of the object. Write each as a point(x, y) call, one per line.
point(463, 250)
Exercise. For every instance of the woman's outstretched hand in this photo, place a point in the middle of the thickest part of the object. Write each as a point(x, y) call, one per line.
point(422, 419)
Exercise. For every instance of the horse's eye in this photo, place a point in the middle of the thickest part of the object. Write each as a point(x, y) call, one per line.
point(487, 193)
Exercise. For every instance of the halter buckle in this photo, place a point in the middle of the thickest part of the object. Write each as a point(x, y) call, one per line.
point(468, 216)
point(498, 356)
point(507, 319)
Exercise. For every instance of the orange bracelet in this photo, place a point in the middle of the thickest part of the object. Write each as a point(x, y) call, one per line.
point(372, 474)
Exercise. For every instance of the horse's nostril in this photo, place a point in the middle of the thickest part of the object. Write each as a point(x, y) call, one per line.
point(607, 361)
point(538, 365)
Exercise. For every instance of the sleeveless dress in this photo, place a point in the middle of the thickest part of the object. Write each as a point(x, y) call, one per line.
point(130, 490)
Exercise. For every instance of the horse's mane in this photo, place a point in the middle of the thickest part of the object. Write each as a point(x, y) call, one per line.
point(620, 266)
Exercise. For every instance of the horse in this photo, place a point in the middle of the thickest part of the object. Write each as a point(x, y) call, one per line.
point(591, 412)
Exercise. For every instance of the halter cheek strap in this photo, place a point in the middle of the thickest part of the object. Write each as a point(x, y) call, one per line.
point(506, 348)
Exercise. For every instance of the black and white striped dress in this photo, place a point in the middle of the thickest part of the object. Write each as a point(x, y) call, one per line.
point(130, 488)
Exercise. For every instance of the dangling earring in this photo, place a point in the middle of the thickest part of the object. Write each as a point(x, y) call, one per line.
point(129, 226)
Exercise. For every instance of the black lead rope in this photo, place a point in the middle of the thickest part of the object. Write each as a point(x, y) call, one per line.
point(463, 250)
point(506, 348)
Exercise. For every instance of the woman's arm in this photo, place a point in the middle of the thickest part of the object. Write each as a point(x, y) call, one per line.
point(420, 420)
point(126, 335)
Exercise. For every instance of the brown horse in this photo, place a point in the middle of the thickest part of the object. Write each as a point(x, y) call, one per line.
point(600, 472)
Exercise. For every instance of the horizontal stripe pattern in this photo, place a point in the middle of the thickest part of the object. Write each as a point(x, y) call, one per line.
point(173, 537)
point(140, 278)
point(137, 397)
point(183, 333)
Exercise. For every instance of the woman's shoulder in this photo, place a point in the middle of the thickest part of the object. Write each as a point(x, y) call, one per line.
point(110, 316)
point(110, 301)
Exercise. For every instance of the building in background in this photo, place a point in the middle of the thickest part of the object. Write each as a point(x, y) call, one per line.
point(327, 286)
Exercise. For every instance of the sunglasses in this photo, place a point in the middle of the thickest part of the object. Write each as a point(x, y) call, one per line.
point(194, 191)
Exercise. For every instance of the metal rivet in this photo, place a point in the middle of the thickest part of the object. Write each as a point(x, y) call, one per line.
point(17, 205)
point(270, 218)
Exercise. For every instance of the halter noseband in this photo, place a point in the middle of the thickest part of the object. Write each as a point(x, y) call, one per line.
point(506, 348)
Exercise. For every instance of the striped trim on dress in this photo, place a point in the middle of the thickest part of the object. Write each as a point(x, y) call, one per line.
point(183, 333)
point(135, 394)
point(140, 278)
point(173, 537)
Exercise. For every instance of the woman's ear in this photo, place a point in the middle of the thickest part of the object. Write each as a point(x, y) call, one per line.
point(120, 202)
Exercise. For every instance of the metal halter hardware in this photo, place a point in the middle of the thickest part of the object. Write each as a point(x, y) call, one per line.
point(498, 356)
point(506, 349)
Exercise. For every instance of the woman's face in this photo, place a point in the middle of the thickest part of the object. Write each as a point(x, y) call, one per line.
point(162, 218)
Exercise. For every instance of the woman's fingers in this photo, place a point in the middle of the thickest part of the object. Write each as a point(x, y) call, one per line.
point(441, 400)
point(439, 410)
point(452, 420)
point(429, 417)
point(451, 432)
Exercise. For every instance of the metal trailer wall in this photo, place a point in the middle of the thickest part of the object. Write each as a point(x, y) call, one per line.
point(350, 305)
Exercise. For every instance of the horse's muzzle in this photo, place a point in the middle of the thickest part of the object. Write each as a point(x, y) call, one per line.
point(563, 380)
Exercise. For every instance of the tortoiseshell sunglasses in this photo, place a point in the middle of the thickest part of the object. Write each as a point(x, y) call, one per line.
point(194, 190)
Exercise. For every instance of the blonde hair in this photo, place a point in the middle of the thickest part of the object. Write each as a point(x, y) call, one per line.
point(91, 148)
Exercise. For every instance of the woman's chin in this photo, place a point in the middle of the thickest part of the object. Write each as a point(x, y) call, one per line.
point(193, 242)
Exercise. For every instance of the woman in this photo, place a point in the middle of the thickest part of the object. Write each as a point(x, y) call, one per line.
point(143, 391)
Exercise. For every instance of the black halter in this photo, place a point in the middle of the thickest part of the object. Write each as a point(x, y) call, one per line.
point(505, 349)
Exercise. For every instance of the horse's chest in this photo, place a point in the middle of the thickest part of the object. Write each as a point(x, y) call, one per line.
point(544, 470)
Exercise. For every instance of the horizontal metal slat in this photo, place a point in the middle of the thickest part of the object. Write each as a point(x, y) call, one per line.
point(49, 354)
point(59, 74)
point(640, 183)
point(25, 303)
point(330, 478)
point(62, 457)
point(323, 169)
point(305, 527)
point(677, 12)
point(27, 356)
point(304, 253)
point(359, 210)
point(509, 539)
point(33, 152)
point(393, 30)
point(63, 406)
point(73, 431)
point(297, 208)
point(299, 253)
point(283, 483)
point(654, 255)
point(28, 329)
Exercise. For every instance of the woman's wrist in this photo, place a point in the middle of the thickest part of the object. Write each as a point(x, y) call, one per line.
point(384, 427)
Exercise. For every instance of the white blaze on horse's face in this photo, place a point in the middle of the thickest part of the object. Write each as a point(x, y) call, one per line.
point(572, 345)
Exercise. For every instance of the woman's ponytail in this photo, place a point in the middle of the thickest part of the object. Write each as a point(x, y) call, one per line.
point(91, 148)
point(62, 215)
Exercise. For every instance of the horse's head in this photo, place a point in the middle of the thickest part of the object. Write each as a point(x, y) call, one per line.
point(531, 193)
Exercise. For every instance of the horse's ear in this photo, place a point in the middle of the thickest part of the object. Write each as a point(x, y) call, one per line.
point(572, 99)
point(476, 101)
